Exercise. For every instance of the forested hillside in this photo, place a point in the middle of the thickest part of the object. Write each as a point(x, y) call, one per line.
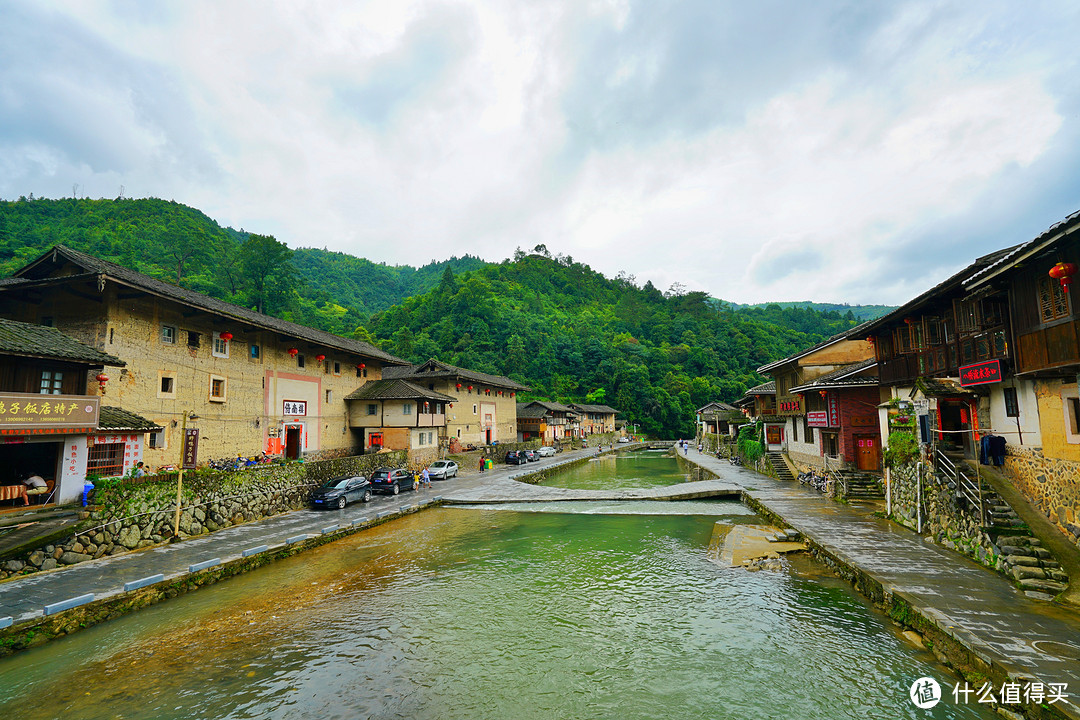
point(861, 313)
point(555, 324)
point(179, 244)
point(573, 334)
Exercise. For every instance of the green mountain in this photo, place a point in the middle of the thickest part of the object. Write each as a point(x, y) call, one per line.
point(862, 313)
point(573, 334)
point(179, 244)
point(557, 325)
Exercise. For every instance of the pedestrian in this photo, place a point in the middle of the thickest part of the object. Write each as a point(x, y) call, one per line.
point(426, 477)
point(139, 471)
point(483, 462)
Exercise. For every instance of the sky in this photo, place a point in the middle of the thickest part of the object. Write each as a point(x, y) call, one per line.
point(836, 151)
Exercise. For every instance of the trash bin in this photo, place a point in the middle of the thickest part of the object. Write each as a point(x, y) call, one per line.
point(488, 464)
point(87, 488)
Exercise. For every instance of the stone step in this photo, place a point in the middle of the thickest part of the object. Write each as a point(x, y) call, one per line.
point(1049, 586)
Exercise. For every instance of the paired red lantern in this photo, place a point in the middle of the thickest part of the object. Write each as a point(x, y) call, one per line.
point(872, 339)
point(470, 387)
point(320, 358)
point(226, 336)
point(1063, 272)
point(822, 393)
point(459, 386)
point(102, 378)
point(293, 351)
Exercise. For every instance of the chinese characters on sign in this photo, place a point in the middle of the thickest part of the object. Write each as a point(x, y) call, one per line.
point(817, 418)
point(790, 407)
point(191, 448)
point(834, 411)
point(1012, 693)
point(43, 412)
point(981, 373)
point(296, 408)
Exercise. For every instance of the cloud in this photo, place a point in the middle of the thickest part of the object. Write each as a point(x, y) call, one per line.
point(843, 152)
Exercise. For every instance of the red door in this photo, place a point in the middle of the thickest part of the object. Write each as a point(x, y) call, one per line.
point(867, 453)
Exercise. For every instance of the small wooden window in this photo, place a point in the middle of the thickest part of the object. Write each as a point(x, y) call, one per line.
point(1053, 302)
point(52, 382)
point(1012, 407)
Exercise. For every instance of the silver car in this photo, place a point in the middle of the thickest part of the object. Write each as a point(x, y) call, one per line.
point(442, 469)
point(545, 451)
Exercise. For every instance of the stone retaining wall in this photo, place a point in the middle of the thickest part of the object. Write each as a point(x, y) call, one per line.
point(1050, 485)
point(134, 515)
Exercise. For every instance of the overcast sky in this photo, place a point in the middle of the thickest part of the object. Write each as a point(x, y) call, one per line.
point(835, 151)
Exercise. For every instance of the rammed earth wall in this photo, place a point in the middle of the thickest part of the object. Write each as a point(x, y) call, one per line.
point(134, 514)
point(1051, 485)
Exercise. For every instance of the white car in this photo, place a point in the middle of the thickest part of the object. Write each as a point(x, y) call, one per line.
point(624, 439)
point(442, 469)
point(545, 451)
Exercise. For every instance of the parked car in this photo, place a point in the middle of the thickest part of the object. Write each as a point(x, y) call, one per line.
point(530, 455)
point(337, 492)
point(392, 480)
point(515, 458)
point(546, 451)
point(442, 469)
point(624, 439)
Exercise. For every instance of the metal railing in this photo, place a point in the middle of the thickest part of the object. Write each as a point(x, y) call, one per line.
point(966, 488)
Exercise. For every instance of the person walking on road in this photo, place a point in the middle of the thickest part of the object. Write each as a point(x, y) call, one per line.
point(425, 477)
point(483, 462)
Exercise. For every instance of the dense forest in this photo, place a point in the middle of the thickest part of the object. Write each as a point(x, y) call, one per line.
point(555, 324)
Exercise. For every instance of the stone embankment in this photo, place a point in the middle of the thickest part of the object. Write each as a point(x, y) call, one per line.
point(136, 514)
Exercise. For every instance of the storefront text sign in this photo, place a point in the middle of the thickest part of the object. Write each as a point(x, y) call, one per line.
point(31, 414)
point(981, 373)
point(817, 418)
point(296, 408)
point(790, 406)
point(834, 411)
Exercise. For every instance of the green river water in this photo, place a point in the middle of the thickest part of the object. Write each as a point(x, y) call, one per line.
point(564, 610)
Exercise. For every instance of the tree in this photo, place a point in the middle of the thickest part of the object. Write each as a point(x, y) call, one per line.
point(268, 272)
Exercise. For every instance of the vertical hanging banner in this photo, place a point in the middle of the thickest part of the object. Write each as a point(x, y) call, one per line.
point(191, 448)
point(834, 411)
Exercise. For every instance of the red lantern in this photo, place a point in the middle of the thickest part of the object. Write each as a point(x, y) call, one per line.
point(293, 351)
point(470, 387)
point(459, 386)
point(872, 339)
point(511, 394)
point(361, 366)
point(451, 405)
point(320, 358)
point(822, 393)
point(1063, 273)
point(102, 378)
point(226, 336)
point(909, 320)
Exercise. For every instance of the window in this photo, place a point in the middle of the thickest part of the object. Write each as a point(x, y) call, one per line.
point(1053, 302)
point(156, 440)
point(167, 385)
point(300, 361)
point(329, 396)
point(168, 334)
point(52, 382)
point(1073, 410)
point(372, 409)
point(217, 388)
point(337, 368)
point(903, 340)
point(47, 320)
point(406, 409)
point(474, 409)
point(255, 352)
point(808, 432)
point(361, 372)
point(192, 339)
point(106, 459)
point(795, 430)
point(1012, 408)
point(221, 346)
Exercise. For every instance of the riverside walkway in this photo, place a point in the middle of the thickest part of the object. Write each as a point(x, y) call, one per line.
point(1024, 639)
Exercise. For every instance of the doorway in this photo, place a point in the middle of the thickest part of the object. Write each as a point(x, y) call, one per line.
point(955, 417)
point(867, 453)
point(294, 441)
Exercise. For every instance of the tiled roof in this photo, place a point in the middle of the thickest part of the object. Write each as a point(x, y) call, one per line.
point(195, 299)
point(853, 334)
point(395, 389)
point(847, 376)
point(24, 339)
point(950, 283)
point(529, 410)
point(435, 369)
point(546, 407)
point(602, 409)
point(768, 388)
point(1018, 253)
point(717, 406)
point(114, 419)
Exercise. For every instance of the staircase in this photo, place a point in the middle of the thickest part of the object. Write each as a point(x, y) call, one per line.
point(1032, 566)
point(856, 485)
point(776, 460)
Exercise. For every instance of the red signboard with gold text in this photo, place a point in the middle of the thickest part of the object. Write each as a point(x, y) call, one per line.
point(24, 414)
point(981, 373)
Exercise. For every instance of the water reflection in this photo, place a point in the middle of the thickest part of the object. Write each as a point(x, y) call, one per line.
point(490, 614)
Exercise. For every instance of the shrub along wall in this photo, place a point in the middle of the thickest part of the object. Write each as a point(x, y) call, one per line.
point(133, 513)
